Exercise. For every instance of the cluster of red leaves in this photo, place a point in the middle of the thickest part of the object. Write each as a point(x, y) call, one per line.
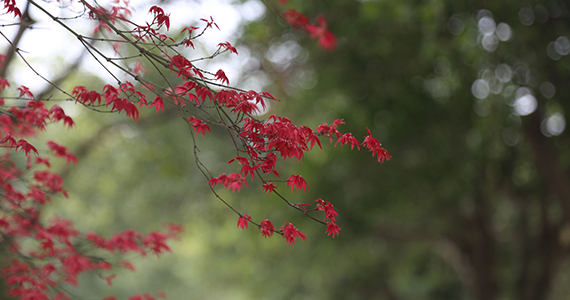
point(41, 257)
point(261, 142)
point(116, 11)
point(132, 241)
point(121, 98)
point(160, 17)
point(10, 7)
point(280, 135)
point(326, 38)
point(331, 215)
point(233, 181)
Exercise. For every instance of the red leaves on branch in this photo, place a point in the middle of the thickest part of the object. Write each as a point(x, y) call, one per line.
point(158, 103)
point(159, 17)
point(328, 208)
point(131, 241)
point(3, 82)
point(25, 92)
point(228, 46)
point(198, 125)
point(220, 75)
point(333, 229)
point(210, 23)
point(327, 40)
point(38, 267)
point(180, 62)
point(86, 97)
point(61, 151)
point(325, 37)
point(243, 220)
point(246, 168)
point(296, 181)
point(23, 145)
point(10, 6)
point(374, 145)
point(233, 181)
point(290, 233)
point(269, 187)
point(52, 259)
point(139, 68)
point(295, 18)
point(346, 139)
point(189, 29)
point(57, 114)
point(331, 214)
point(267, 228)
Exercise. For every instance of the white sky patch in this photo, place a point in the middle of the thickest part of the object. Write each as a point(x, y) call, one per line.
point(49, 47)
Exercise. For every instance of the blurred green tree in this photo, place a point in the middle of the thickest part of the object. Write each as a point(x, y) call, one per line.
point(470, 97)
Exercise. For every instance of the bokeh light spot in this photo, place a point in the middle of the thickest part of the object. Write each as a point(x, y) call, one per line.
point(547, 89)
point(504, 73)
point(455, 25)
point(510, 136)
point(486, 25)
point(541, 14)
point(555, 124)
point(504, 32)
point(525, 102)
point(562, 45)
point(551, 51)
point(480, 89)
point(526, 16)
point(490, 42)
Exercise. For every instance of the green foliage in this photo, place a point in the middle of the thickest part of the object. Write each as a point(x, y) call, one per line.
point(466, 209)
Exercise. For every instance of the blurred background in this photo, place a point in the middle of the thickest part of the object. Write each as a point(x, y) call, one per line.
point(469, 98)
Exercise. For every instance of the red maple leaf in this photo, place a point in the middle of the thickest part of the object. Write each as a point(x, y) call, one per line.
point(243, 220)
point(327, 40)
point(267, 228)
point(290, 233)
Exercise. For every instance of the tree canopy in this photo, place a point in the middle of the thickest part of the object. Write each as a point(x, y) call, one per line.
point(468, 98)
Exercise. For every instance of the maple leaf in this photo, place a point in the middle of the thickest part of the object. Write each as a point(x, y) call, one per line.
point(327, 40)
point(298, 182)
point(160, 17)
point(158, 103)
point(110, 278)
point(156, 242)
point(180, 62)
point(8, 138)
point(199, 125)
point(302, 205)
point(269, 187)
point(328, 208)
point(3, 83)
point(333, 229)
point(228, 46)
point(189, 29)
point(220, 75)
point(25, 91)
point(295, 18)
point(290, 233)
point(139, 68)
point(243, 221)
point(346, 139)
point(267, 228)
point(210, 23)
point(26, 147)
point(61, 151)
point(375, 147)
